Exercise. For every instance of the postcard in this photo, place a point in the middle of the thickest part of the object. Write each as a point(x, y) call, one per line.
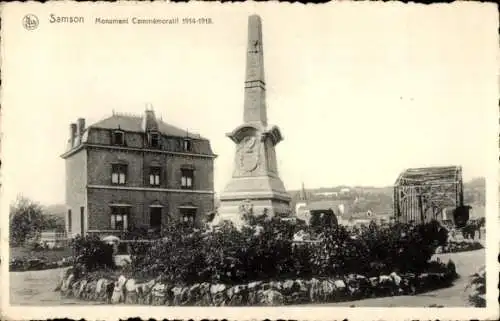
point(248, 161)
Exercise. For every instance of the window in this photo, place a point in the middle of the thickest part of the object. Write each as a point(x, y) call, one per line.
point(69, 221)
point(187, 176)
point(82, 220)
point(186, 145)
point(154, 140)
point(118, 138)
point(188, 216)
point(119, 218)
point(154, 176)
point(119, 174)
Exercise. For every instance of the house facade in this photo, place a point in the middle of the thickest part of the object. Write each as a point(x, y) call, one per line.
point(135, 171)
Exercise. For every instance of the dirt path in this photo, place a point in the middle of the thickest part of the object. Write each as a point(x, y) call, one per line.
point(37, 288)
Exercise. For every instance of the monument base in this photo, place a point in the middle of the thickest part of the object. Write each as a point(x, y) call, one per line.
point(229, 210)
point(261, 193)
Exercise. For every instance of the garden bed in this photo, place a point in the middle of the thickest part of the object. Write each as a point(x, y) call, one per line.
point(462, 246)
point(111, 289)
point(36, 264)
point(23, 258)
point(261, 264)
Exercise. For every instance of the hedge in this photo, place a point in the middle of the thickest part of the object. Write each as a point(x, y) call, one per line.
point(264, 250)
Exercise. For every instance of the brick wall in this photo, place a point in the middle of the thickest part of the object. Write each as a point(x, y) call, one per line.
point(99, 173)
point(140, 201)
point(100, 162)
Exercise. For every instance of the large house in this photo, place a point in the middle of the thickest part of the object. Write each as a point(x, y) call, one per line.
point(135, 171)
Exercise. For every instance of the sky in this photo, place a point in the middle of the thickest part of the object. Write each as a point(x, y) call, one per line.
point(360, 92)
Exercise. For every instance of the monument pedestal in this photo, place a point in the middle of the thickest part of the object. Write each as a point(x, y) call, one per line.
point(255, 181)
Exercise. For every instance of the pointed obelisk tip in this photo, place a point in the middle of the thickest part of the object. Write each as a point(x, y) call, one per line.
point(254, 23)
point(254, 30)
point(254, 18)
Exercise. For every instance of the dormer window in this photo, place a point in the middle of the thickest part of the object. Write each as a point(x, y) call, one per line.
point(154, 140)
point(186, 145)
point(118, 137)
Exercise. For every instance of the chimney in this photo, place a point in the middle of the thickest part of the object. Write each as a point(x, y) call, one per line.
point(149, 121)
point(81, 126)
point(72, 134)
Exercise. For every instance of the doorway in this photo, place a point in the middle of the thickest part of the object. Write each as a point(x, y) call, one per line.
point(155, 218)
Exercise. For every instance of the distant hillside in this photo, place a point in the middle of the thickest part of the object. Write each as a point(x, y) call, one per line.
point(475, 192)
point(58, 210)
point(380, 199)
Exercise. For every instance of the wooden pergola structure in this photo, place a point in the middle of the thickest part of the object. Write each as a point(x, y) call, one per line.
point(421, 194)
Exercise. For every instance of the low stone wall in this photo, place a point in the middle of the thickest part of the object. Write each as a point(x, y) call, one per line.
point(37, 264)
point(286, 292)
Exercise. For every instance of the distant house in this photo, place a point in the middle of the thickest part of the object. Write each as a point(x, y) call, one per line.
point(365, 218)
point(340, 209)
point(343, 210)
point(345, 190)
point(477, 211)
point(326, 194)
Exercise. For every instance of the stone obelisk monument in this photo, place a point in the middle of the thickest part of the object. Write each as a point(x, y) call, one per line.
point(255, 180)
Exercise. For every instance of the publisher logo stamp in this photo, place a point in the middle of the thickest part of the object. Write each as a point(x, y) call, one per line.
point(30, 22)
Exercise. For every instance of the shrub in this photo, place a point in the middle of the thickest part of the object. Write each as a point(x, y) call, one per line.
point(264, 250)
point(454, 247)
point(93, 253)
point(477, 289)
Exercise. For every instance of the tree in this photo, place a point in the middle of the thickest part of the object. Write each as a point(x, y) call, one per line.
point(53, 222)
point(26, 220)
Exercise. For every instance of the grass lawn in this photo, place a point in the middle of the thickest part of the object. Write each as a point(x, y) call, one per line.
point(50, 255)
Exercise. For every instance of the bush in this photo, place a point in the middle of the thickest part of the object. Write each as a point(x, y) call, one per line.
point(464, 246)
point(93, 253)
point(477, 289)
point(264, 250)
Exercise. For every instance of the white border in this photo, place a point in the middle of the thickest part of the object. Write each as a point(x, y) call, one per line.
point(299, 313)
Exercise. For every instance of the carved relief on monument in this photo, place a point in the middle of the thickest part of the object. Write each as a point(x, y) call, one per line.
point(248, 155)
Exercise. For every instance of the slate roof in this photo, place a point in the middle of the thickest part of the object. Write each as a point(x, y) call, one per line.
point(132, 123)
